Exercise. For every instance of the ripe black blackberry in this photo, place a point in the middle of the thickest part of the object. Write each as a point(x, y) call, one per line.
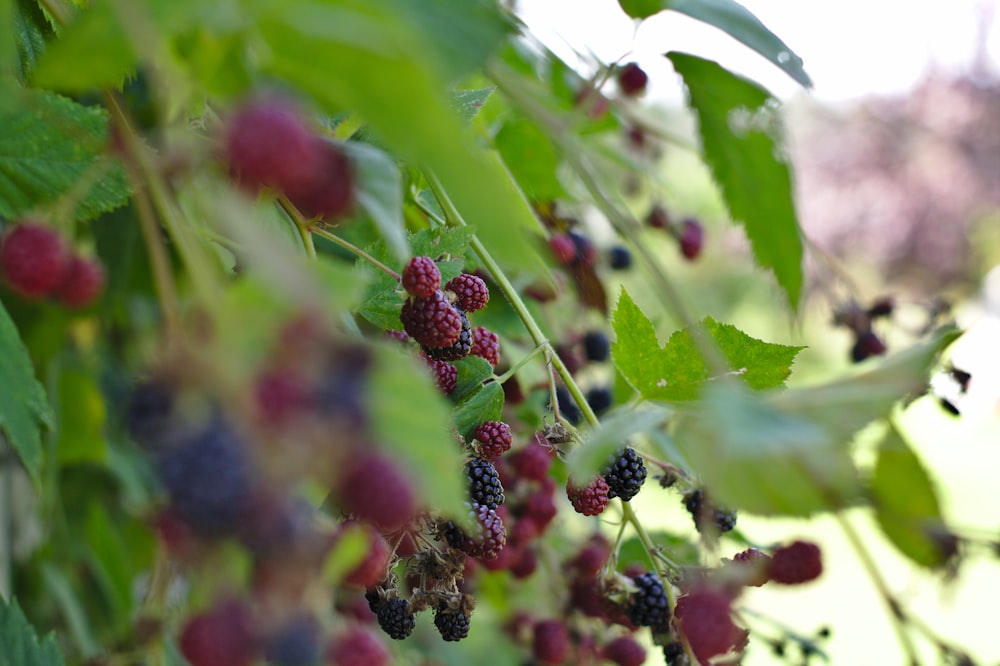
point(148, 412)
point(567, 406)
point(596, 346)
point(625, 474)
point(648, 606)
point(461, 348)
point(599, 398)
point(208, 478)
point(453, 625)
point(396, 618)
point(619, 257)
point(432, 321)
point(672, 653)
point(484, 484)
point(703, 512)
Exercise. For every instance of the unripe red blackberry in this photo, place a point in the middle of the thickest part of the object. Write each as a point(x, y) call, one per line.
point(550, 642)
point(625, 474)
point(357, 646)
point(445, 375)
point(590, 499)
point(458, 350)
point(487, 538)
point(33, 260)
point(563, 248)
point(421, 277)
point(483, 483)
point(330, 191)
point(632, 80)
point(398, 336)
point(658, 218)
point(373, 488)
point(704, 618)
point(431, 321)
point(690, 238)
point(470, 291)
point(269, 144)
point(452, 624)
point(648, 606)
point(798, 562)
point(494, 439)
point(533, 461)
point(82, 283)
point(754, 565)
point(396, 618)
point(624, 651)
point(486, 344)
point(866, 345)
point(221, 636)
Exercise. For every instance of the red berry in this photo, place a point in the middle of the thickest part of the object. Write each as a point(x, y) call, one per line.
point(33, 260)
point(691, 237)
point(625, 651)
point(398, 336)
point(563, 248)
point(867, 345)
point(550, 643)
point(586, 251)
point(523, 563)
point(329, 192)
point(82, 283)
point(219, 637)
point(471, 292)
point(883, 306)
point(798, 562)
point(540, 507)
point(658, 218)
point(421, 277)
point(533, 461)
point(357, 646)
point(705, 620)
point(753, 564)
point(280, 395)
point(591, 499)
point(494, 439)
point(632, 80)
point(486, 344)
point(432, 321)
point(445, 375)
point(373, 488)
point(269, 144)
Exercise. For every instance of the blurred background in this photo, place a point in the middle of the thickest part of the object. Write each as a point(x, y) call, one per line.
point(896, 152)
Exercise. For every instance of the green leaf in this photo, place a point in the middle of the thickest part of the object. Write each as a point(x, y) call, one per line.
point(61, 591)
point(472, 372)
point(410, 417)
point(347, 553)
point(906, 503)
point(677, 371)
point(611, 435)
point(758, 458)
point(733, 19)
point(91, 53)
point(678, 548)
point(485, 404)
point(47, 147)
point(531, 157)
point(24, 407)
point(379, 190)
point(109, 562)
point(737, 121)
point(31, 29)
point(81, 416)
point(468, 102)
point(19, 642)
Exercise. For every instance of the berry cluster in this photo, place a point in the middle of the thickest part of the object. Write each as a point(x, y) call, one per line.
point(859, 321)
point(706, 515)
point(37, 264)
point(687, 232)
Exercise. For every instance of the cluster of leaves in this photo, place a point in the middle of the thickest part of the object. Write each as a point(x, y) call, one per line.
point(461, 135)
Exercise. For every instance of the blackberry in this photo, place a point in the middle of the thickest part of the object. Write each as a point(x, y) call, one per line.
point(329, 191)
point(672, 653)
point(624, 651)
point(563, 248)
point(591, 499)
point(494, 439)
point(431, 321)
point(596, 346)
point(208, 478)
point(703, 512)
point(470, 291)
point(883, 306)
point(461, 348)
point(649, 607)
point(533, 461)
point(632, 80)
point(754, 565)
point(357, 646)
point(704, 618)
point(33, 259)
point(373, 488)
point(421, 277)
point(396, 618)
point(798, 562)
point(658, 218)
point(453, 625)
point(148, 412)
point(599, 398)
point(486, 542)
point(619, 257)
point(725, 519)
point(221, 636)
point(866, 345)
point(551, 642)
point(567, 406)
point(445, 375)
point(82, 283)
point(483, 483)
point(586, 253)
point(690, 238)
point(486, 344)
point(625, 474)
point(295, 644)
point(374, 599)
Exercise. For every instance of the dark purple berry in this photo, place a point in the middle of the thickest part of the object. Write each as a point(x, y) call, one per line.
point(567, 405)
point(632, 80)
point(458, 350)
point(483, 483)
point(149, 411)
point(866, 345)
point(221, 636)
point(690, 238)
point(488, 538)
point(596, 346)
point(486, 344)
point(600, 399)
point(295, 644)
point(421, 277)
point(625, 474)
point(452, 624)
point(33, 260)
point(396, 618)
point(494, 439)
point(648, 606)
point(432, 321)
point(619, 257)
point(658, 218)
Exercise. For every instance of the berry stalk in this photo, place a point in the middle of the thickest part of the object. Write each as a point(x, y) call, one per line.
point(354, 249)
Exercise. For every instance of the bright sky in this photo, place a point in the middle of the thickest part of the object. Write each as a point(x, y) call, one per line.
point(850, 47)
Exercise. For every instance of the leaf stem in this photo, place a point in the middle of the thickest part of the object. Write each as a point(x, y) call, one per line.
point(520, 364)
point(896, 613)
point(354, 249)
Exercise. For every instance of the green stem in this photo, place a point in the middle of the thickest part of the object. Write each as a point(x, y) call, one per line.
point(354, 249)
point(520, 364)
point(896, 613)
